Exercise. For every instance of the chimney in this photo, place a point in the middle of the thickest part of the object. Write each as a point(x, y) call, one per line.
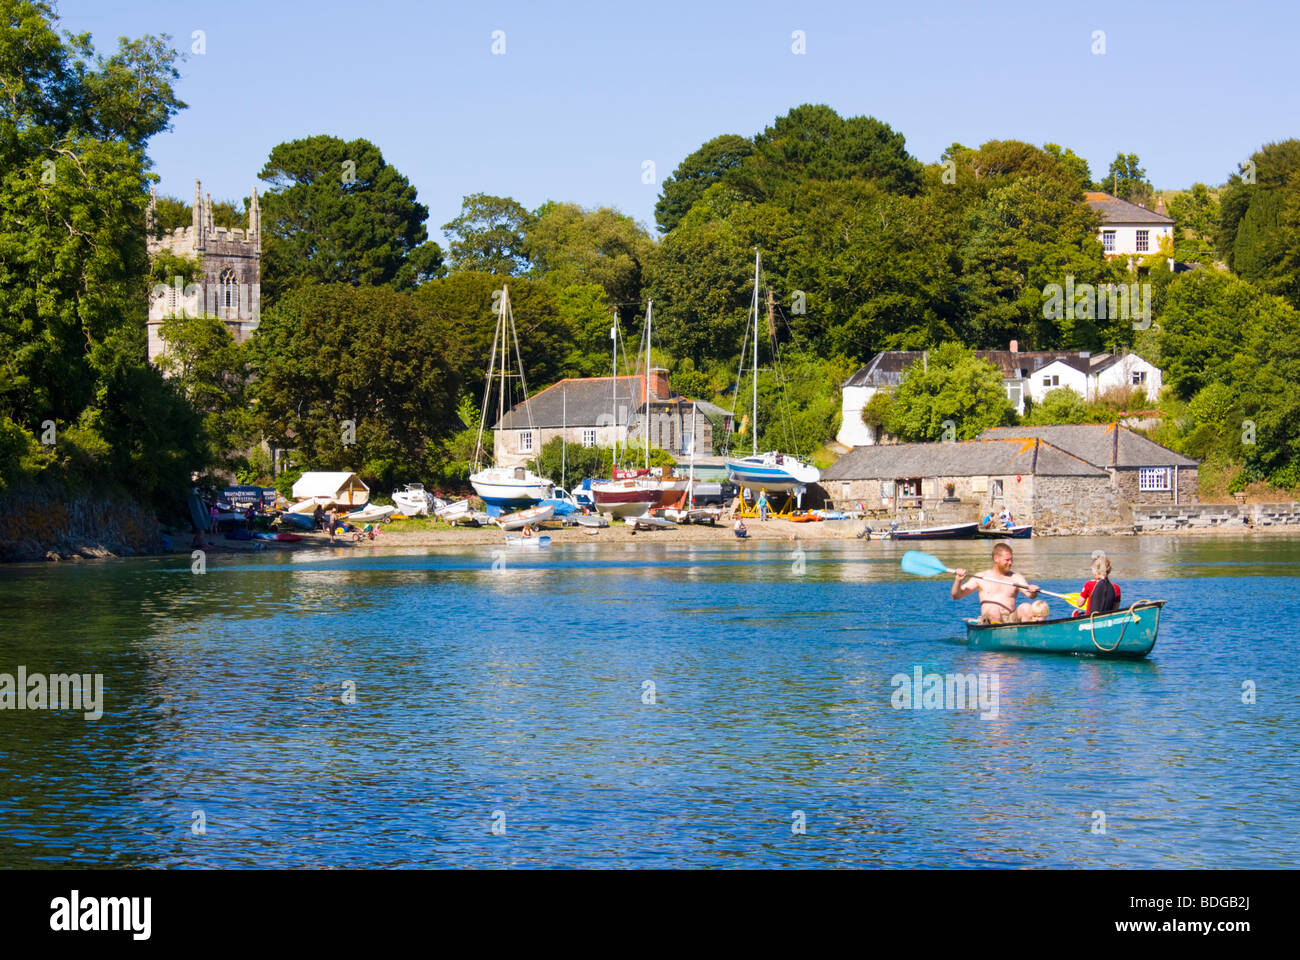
point(1160, 207)
point(1015, 346)
point(659, 383)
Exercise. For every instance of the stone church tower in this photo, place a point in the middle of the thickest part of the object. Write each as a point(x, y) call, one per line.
point(230, 270)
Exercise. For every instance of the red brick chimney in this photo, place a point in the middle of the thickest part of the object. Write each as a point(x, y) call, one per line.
point(659, 383)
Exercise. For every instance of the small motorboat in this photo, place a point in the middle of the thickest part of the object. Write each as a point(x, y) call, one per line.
point(525, 518)
point(709, 515)
point(1128, 633)
point(592, 521)
point(952, 531)
point(371, 513)
point(302, 521)
point(535, 542)
point(1019, 532)
point(451, 511)
point(413, 500)
point(647, 522)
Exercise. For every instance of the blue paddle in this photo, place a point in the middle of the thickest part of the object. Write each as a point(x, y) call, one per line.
point(925, 565)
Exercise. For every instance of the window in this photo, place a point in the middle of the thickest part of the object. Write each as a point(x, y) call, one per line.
point(909, 488)
point(1139, 376)
point(1154, 478)
point(1108, 241)
point(229, 289)
point(589, 437)
point(997, 489)
point(1142, 240)
point(525, 441)
point(1052, 381)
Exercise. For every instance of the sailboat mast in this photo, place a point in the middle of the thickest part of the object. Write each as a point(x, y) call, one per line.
point(501, 326)
point(564, 439)
point(753, 420)
point(649, 308)
point(613, 400)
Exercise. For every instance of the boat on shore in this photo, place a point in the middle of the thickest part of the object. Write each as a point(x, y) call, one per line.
point(951, 531)
point(625, 496)
point(450, 512)
point(414, 501)
point(1126, 634)
point(525, 518)
point(371, 513)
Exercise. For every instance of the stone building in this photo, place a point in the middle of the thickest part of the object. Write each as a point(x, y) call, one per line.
point(1085, 478)
point(229, 261)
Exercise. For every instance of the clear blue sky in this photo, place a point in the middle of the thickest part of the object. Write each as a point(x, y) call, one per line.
point(588, 91)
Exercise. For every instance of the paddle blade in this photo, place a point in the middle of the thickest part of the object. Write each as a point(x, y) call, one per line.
point(922, 564)
point(1073, 599)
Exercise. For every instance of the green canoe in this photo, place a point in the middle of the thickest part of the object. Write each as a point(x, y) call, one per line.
point(1130, 632)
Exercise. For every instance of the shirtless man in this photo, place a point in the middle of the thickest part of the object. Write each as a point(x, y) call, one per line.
point(997, 589)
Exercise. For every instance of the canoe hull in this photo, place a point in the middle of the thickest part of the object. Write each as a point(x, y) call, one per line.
point(1129, 633)
point(1007, 533)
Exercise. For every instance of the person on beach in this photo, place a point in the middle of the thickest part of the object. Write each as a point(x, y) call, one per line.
point(1099, 594)
point(1006, 519)
point(762, 505)
point(740, 529)
point(997, 588)
point(318, 517)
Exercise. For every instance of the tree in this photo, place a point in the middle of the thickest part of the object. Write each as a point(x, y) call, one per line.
point(813, 142)
point(695, 174)
point(1127, 180)
point(336, 212)
point(1196, 213)
point(488, 236)
point(356, 378)
point(568, 245)
point(73, 266)
point(950, 394)
point(203, 360)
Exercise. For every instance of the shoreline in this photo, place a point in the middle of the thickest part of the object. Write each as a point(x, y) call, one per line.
point(775, 530)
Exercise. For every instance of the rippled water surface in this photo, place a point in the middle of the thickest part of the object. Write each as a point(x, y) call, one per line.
point(517, 697)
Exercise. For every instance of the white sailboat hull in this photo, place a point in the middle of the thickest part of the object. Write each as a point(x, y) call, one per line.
point(506, 487)
point(773, 472)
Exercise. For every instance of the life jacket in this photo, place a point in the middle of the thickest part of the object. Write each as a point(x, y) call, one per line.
point(1103, 598)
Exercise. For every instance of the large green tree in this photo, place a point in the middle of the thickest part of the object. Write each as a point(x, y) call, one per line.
point(695, 174)
point(488, 235)
point(950, 396)
point(568, 245)
point(337, 212)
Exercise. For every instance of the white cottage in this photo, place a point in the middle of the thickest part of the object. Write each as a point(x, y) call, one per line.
point(1092, 375)
point(1128, 230)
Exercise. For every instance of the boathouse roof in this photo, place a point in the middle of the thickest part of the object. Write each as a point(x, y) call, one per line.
point(972, 458)
point(1104, 444)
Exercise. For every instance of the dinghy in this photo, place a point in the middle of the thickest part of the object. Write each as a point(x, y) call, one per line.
point(413, 500)
point(525, 518)
point(1128, 634)
point(534, 542)
point(371, 514)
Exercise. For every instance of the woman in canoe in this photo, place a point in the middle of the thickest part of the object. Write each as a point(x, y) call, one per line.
point(1099, 594)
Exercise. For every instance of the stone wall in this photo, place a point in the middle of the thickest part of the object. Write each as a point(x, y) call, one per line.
point(1126, 481)
point(1275, 514)
point(1078, 505)
point(1232, 517)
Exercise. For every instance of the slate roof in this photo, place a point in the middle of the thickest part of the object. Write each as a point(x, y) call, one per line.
point(967, 459)
point(1115, 210)
point(575, 402)
point(887, 368)
point(1103, 444)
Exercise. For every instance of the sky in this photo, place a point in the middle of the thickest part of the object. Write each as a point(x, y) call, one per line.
point(585, 94)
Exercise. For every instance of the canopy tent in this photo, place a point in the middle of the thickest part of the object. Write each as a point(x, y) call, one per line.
point(343, 488)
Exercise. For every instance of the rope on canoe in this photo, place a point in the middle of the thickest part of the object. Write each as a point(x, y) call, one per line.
point(1130, 617)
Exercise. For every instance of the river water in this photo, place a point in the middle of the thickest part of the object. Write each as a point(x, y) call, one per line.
point(644, 705)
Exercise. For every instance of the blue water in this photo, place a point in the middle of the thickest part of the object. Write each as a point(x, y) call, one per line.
point(517, 697)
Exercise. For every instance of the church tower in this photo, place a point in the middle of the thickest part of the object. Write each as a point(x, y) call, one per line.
point(228, 285)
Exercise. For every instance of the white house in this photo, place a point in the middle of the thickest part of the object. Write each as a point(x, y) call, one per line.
point(1026, 374)
point(1091, 376)
point(1128, 230)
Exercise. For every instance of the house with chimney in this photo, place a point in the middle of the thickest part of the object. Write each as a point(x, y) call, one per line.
point(1026, 374)
point(604, 412)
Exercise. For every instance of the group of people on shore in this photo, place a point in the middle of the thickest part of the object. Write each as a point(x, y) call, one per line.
point(999, 586)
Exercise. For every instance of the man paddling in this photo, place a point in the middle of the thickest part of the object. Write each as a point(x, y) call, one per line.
point(997, 588)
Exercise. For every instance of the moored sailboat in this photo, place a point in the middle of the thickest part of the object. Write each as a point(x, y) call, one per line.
point(501, 486)
point(773, 472)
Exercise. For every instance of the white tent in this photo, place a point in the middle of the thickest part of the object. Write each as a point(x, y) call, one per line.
point(343, 488)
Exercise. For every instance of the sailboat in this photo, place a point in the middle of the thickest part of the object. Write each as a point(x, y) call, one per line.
point(687, 512)
point(773, 471)
point(505, 487)
point(629, 493)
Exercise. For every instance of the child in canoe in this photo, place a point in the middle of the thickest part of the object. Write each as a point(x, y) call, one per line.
point(1099, 594)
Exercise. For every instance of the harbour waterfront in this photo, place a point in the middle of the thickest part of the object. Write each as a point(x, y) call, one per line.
point(643, 704)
